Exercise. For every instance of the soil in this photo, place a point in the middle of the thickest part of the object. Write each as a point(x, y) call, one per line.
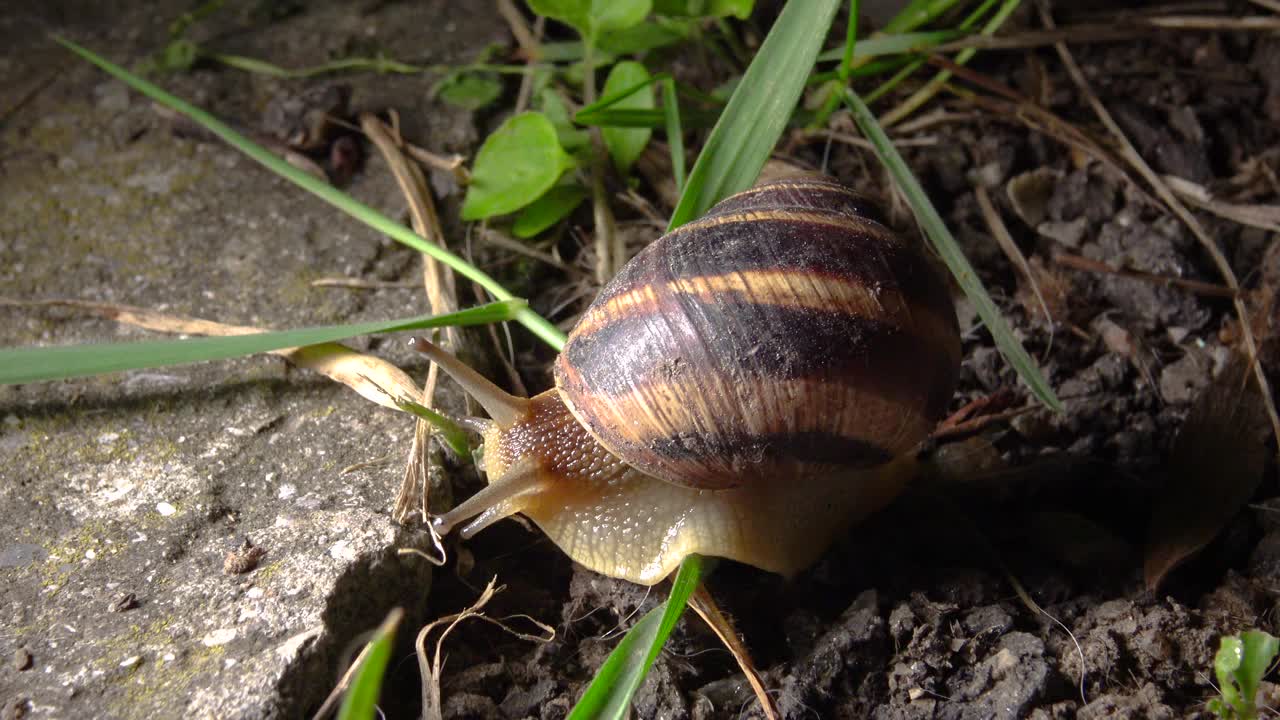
point(917, 613)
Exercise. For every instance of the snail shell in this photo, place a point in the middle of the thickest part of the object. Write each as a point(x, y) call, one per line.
point(746, 387)
point(783, 334)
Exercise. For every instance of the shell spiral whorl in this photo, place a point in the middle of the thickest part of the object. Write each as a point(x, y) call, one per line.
point(785, 333)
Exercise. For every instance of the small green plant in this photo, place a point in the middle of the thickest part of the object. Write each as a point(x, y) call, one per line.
point(1241, 663)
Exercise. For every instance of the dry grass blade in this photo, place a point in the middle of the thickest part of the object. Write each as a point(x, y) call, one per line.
point(1215, 465)
point(1266, 217)
point(706, 607)
point(441, 294)
point(430, 666)
point(1130, 154)
point(1115, 32)
point(373, 378)
point(1001, 233)
point(356, 283)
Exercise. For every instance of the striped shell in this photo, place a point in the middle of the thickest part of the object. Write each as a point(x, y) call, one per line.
point(785, 334)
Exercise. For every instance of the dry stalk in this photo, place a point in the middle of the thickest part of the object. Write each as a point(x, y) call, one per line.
point(441, 294)
point(707, 609)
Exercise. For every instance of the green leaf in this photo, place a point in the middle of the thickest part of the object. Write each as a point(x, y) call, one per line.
point(644, 37)
point(548, 210)
point(24, 365)
point(611, 15)
point(552, 105)
point(759, 109)
point(610, 692)
point(1260, 650)
point(361, 701)
point(940, 237)
point(1225, 664)
point(592, 17)
point(520, 161)
point(740, 9)
point(629, 81)
point(470, 91)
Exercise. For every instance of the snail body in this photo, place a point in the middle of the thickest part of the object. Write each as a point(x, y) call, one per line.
point(746, 387)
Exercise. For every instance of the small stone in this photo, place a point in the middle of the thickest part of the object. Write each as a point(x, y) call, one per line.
point(131, 661)
point(16, 709)
point(219, 637)
point(342, 550)
point(22, 659)
point(128, 601)
point(165, 509)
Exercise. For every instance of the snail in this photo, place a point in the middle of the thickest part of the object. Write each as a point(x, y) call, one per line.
point(746, 387)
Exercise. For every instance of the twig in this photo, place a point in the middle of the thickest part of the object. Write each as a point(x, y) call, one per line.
point(1162, 190)
point(609, 250)
point(496, 238)
point(1079, 262)
point(530, 46)
point(1001, 233)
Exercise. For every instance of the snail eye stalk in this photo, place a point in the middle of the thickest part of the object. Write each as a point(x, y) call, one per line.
point(505, 409)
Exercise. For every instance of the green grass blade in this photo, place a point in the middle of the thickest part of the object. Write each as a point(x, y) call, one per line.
point(610, 692)
point(535, 323)
point(850, 40)
point(946, 246)
point(675, 131)
point(37, 364)
point(759, 109)
point(923, 94)
point(361, 701)
point(449, 431)
point(879, 45)
point(916, 14)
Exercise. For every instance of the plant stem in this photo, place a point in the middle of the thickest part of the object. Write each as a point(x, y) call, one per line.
point(608, 251)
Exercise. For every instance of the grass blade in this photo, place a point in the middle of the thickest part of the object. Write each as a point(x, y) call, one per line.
point(610, 692)
point(902, 43)
point(37, 364)
point(535, 323)
point(759, 109)
point(361, 701)
point(675, 132)
point(936, 230)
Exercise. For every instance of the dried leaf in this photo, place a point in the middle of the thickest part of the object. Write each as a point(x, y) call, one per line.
point(1029, 194)
point(1215, 466)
